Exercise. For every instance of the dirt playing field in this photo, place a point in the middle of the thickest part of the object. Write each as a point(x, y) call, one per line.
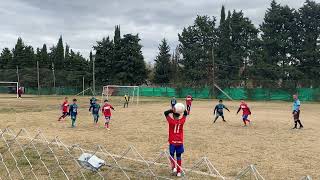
point(277, 151)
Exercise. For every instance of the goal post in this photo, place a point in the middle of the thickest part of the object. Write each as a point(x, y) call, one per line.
point(12, 87)
point(119, 92)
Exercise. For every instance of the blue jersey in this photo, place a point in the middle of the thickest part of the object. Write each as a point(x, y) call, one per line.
point(73, 110)
point(219, 108)
point(173, 101)
point(95, 108)
point(93, 100)
point(296, 105)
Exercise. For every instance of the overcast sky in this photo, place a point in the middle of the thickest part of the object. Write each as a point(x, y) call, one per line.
point(83, 22)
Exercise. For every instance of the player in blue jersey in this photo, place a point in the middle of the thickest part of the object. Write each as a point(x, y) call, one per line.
point(218, 111)
point(173, 102)
point(296, 112)
point(94, 109)
point(73, 112)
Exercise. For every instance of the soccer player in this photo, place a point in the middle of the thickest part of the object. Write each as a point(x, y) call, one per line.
point(296, 112)
point(92, 100)
point(106, 110)
point(73, 112)
point(173, 102)
point(176, 138)
point(219, 110)
point(189, 100)
point(64, 109)
point(126, 100)
point(20, 91)
point(94, 109)
point(246, 112)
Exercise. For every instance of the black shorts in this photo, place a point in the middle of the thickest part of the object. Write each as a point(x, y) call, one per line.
point(296, 115)
point(219, 114)
point(64, 114)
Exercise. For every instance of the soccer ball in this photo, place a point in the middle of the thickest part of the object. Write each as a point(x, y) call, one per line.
point(179, 108)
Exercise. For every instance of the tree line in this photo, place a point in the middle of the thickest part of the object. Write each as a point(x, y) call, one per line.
point(285, 48)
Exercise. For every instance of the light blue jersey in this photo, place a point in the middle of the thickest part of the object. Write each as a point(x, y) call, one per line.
point(296, 105)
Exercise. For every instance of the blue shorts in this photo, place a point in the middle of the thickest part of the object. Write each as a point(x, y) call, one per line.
point(179, 149)
point(245, 117)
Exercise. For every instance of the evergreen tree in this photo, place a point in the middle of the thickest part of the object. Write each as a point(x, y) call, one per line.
point(67, 58)
point(223, 63)
point(196, 44)
point(5, 58)
point(222, 15)
point(59, 55)
point(131, 69)
point(308, 46)
point(278, 33)
point(44, 61)
point(162, 72)
point(18, 54)
point(29, 58)
point(104, 67)
point(243, 38)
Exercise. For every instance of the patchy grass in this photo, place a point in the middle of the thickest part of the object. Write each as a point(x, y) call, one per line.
point(277, 151)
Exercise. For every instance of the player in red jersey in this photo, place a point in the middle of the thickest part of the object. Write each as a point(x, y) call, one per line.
point(245, 112)
point(176, 138)
point(64, 109)
point(189, 100)
point(106, 110)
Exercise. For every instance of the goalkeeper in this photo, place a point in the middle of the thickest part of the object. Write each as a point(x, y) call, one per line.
point(126, 100)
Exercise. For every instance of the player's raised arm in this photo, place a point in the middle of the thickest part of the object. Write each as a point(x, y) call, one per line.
point(166, 113)
point(185, 113)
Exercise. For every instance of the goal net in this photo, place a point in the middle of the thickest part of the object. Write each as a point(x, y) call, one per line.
point(116, 93)
point(9, 89)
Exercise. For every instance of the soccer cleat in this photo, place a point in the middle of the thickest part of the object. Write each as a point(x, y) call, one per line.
point(174, 170)
point(301, 127)
point(179, 174)
point(294, 128)
point(224, 121)
point(108, 129)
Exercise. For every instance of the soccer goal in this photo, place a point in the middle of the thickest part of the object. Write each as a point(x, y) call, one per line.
point(116, 93)
point(9, 89)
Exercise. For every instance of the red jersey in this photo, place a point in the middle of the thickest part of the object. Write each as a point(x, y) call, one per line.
point(245, 109)
point(65, 106)
point(106, 109)
point(176, 130)
point(189, 100)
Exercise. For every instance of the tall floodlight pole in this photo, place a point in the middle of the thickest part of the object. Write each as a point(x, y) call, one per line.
point(38, 77)
point(18, 77)
point(213, 78)
point(82, 85)
point(93, 76)
point(54, 79)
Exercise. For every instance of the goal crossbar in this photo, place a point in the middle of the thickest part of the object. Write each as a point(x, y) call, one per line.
point(11, 82)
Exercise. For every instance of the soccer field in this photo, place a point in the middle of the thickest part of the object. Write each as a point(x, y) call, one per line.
point(277, 151)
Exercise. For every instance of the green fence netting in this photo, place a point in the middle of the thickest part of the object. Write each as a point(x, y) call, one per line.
point(305, 94)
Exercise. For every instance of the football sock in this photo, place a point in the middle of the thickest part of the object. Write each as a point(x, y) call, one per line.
point(172, 161)
point(300, 123)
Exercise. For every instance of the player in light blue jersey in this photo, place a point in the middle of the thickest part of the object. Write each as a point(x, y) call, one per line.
point(296, 112)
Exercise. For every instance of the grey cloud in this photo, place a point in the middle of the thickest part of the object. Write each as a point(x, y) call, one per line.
point(83, 22)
